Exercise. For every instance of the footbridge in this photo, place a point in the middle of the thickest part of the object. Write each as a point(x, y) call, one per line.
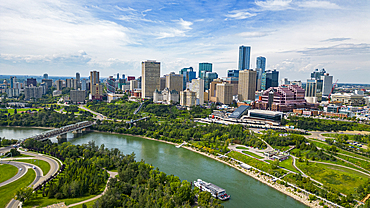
point(62, 131)
point(134, 121)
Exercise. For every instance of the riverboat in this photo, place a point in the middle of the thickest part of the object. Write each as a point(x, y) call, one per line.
point(216, 191)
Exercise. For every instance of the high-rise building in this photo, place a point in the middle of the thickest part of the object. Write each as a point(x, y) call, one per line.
point(174, 81)
point(117, 76)
point(188, 75)
point(77, 96)
point(150, 79)
point(123, 76)
point(261, 63)
point(232, 73)
point(83, 85)
point(272, 78)
point(78, 77)
point(59, 84)
point(208, 78)
point(284, 81)
point(244, 57)
point(247, 85)
point(197, 86)
point(187, 98)
point(12, 82)
point(327, 84)
point(31, 81)
point(45, 76)
point(94, 78)
point(162, 83)
point(96, 91)
point(49, 82)
point(33, 92)
point(316, 74)
point(129, 78)
point(224, 93)
point(212, 92)
point(134, 85)
point(311, 88)
point(111, 85)
point(204, 67)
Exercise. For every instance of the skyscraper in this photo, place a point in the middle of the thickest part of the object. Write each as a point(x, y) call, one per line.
point(206, 67)
point(244, 57)
point(327, 84)
point(94, 78)
point(272, 78)
point(12, 82)
point(188, 75)
point(261, 63)
point(174, 81)
point(117, 76)
point(46, 76)
point(150, 80)
point(208, 78)
point(232, 73)
point(247, 85)
point(197, 86)
point(78, 77)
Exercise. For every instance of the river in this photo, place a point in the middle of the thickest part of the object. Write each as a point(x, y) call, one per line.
point(244, 190)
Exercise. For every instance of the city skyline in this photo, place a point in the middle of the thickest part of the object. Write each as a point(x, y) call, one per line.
point(295, 36)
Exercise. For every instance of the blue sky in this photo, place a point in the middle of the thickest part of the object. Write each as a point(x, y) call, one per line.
point(62, 37)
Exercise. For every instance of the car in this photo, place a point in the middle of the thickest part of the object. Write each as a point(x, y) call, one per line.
point(20, 169)
point(33, 167)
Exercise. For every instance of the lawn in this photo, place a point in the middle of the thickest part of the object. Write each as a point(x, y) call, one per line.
point(240, 147)
point(7, 172)
point(20, 110)
point(341, 179)
point(7, 192)
point(89, 204)
point(288, 164)
point(254, 162)
point(252, 154)
point(45, 166)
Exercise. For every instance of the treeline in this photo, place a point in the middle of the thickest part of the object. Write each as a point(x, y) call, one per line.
point(140, 185)
point(122, 110)
point(215, 137)
point(323, 124)
point(6, 142)
point(45, 118)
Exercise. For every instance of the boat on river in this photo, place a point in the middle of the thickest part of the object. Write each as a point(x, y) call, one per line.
point(216, 191)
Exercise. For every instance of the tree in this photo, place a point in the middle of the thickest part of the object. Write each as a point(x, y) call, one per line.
point(24, 194)
point(204, 198)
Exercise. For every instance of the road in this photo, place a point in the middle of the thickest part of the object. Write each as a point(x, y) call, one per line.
point(17, 176)
point(97, 115)
point(54, 167)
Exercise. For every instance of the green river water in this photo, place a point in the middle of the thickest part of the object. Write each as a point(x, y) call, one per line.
point(244, 190)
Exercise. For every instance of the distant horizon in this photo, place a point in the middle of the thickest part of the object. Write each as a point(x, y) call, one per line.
point(295, 36)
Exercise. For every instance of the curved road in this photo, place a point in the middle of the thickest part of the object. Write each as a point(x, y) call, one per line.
point(54, 167)
point(18, 175)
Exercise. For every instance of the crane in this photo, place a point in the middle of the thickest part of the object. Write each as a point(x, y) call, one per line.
point(332, 89)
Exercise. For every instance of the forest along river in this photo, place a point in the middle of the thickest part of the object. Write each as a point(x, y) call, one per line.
point(244, 190)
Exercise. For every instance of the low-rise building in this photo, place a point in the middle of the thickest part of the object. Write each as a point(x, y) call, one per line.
point(348, 99)
point(113, 96)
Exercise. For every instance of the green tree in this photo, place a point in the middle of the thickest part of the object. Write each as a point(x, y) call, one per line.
point(24, 194)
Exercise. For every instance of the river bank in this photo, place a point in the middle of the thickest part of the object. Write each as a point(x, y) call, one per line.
point(300, 197)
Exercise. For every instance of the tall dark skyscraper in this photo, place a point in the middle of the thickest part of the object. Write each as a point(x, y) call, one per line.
point(46, 76)
point(78, 77)
point(272, 78)
point(261, 63)
point(244, 57)
point(206, 67)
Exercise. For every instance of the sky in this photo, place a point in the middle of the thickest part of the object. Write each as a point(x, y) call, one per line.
point(62, 37)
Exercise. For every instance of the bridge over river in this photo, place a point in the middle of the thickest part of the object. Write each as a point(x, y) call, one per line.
point(61, 133)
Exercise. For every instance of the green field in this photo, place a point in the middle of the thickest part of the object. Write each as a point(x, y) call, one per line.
point(288, 164)
point(7, 172)
point(254, 162)
point(7, 192)
point(45, 166)
point(20, 110)
point(89, 204)
point(240, 147)
point(252, 154)
point(341, 179)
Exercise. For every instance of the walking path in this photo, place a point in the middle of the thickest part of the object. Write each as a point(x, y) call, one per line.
point(340, 166)
point(111, 175)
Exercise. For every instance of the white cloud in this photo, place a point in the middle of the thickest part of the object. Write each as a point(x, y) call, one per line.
point(184, 24)
point(80, 58)
point(239, 14)
point(253, 34)
point(125, 9)
point(318, 4)
point(274, 5)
